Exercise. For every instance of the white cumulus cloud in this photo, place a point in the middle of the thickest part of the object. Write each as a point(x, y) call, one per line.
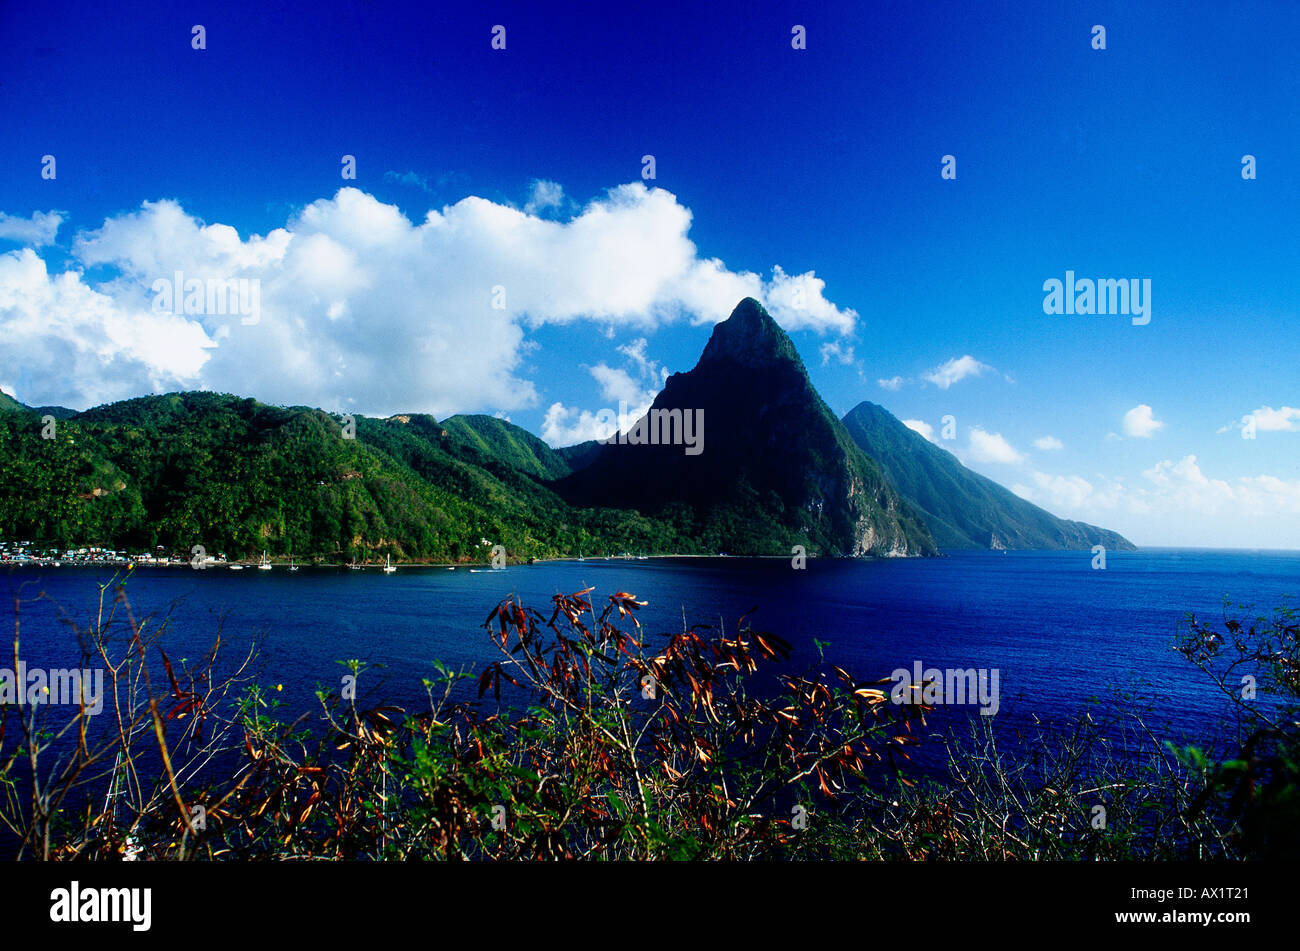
point(798, 302)
point(1056, 493)
point(37, 231)
point(64, 342)
point(365, 310)
point(1182, 486)
point(1268, 419)
point(1141, 422)
point(920, 426)
point(544, 196)
point(630, 391)
point(564, 425)
point(954, 371)
point(834, 350)
point(992, 447)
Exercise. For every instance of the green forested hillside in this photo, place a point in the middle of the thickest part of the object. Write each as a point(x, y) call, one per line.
point(496, 439)
point(238, 476)
point(579, 456)
point(962, 508)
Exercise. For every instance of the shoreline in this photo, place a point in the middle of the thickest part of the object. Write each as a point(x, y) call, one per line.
point(485, 565)
point(467, 565)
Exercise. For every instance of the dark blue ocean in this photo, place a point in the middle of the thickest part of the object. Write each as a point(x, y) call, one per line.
point(1059, 632)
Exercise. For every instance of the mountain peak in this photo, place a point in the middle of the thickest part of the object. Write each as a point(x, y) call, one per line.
point(776, 469)
point(751, 338)
point(961, 508)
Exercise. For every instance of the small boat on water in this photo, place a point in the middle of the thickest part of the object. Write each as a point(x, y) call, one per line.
point(389, 567)
point(264, 564)
point(236, 567)
point(292, 566)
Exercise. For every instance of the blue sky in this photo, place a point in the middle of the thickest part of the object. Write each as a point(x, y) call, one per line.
point(823, 163)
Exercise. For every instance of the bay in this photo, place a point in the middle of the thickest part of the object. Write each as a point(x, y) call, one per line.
point(1057, 631)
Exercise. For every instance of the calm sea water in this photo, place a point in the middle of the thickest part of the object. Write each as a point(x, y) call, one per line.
point(1057, 631)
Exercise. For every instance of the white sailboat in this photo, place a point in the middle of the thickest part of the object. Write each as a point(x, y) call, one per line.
point(292, 566)
point(264, 564)
point(389, 567)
